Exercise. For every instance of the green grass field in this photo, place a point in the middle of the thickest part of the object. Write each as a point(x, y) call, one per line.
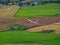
point(29, 37)
point(38, 11)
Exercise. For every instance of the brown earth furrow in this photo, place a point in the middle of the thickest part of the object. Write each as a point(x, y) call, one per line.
point(24, 21)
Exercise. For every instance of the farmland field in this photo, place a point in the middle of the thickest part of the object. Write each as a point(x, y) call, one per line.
point(8, 11)
point(38, 11)
point(10, 16)
point(29, 38)
point(54, 26)
point(30, 22)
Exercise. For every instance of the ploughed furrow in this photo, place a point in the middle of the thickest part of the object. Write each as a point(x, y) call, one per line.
point(32, 22)
point(8, 11)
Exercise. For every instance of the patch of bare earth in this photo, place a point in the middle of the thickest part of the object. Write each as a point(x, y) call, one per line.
point(54, 26)
point(5, 22)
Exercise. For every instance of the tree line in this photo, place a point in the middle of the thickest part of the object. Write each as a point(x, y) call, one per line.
point(27, 2)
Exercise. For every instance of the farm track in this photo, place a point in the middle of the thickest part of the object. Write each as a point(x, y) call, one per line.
point(4, 22)
point(8, 11)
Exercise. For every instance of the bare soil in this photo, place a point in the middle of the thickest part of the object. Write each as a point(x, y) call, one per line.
point(54, 26)
point(4, 22)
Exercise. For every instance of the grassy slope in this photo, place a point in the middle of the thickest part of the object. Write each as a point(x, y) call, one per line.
point(28, 37)
point(42, 10)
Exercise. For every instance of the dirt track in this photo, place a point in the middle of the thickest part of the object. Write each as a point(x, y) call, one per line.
point(4, 22)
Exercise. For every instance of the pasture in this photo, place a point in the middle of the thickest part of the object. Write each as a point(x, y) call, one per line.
point(29, 38)
point(46, 10)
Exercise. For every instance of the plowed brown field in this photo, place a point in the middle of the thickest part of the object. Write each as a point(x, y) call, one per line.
point(4, 22)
